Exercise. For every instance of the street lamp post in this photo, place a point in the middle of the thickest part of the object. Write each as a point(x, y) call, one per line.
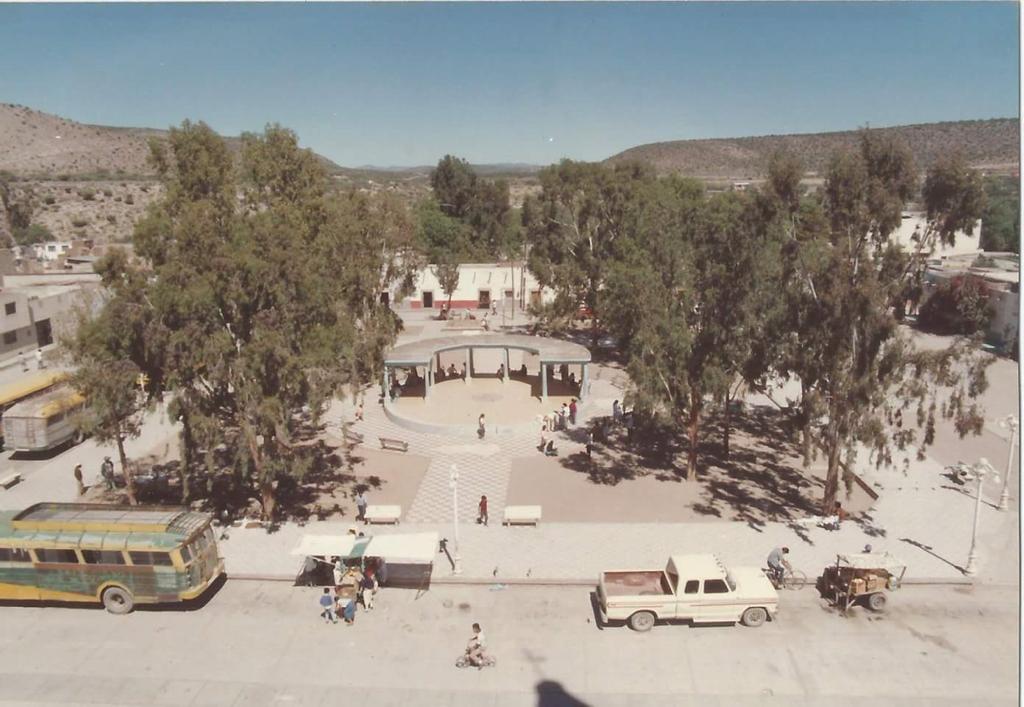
point(1013, 425)
point(976, 472)
point(453, 482)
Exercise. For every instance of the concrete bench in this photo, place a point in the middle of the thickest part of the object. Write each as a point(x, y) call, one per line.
point(383, 514)
point(396, 444)
point(522, 515)
point(10, 480)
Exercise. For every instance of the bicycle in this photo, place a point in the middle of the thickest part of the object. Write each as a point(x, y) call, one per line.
point(486, 661)
point(791, 579)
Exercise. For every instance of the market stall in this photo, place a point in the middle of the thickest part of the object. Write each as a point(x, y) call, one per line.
point(406, 559)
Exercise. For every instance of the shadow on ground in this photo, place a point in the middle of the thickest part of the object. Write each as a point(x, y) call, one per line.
point(759, 479)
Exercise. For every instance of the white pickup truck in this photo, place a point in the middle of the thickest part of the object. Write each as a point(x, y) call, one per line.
point(694, 587)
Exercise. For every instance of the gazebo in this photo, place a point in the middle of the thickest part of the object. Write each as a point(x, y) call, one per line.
point(427, 355)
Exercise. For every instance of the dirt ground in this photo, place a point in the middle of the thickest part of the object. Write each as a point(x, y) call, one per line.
point(762, 479)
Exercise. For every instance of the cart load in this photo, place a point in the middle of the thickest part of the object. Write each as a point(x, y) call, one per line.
point(862, 577)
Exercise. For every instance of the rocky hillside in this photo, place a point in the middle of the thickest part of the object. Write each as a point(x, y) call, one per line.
point(37, 144)
point(992, 145)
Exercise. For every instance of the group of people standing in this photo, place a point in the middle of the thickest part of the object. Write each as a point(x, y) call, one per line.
point(558, 420)
point(334, 603)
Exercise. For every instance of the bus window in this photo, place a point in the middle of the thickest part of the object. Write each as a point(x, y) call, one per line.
point(14, 554)
point(150, 558)
point(186, 554)
point(103, 557)
point(57, 556)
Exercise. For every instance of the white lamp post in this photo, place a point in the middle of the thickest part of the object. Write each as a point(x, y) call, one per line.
point(976, 472)
point(1009, 422)
point(453, 482)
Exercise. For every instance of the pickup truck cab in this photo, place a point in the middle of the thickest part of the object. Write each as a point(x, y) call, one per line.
point(698, 588)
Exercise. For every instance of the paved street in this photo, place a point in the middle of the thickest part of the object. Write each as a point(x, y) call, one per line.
point(262, 643)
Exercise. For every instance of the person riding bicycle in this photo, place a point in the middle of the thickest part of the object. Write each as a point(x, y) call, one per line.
point(777, 564)
point(476, 647)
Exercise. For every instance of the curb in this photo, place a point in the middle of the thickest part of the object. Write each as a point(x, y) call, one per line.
point(541, 582)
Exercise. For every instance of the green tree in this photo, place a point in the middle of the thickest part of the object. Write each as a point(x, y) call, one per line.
point(35, 233)
point(455, 184)
point(687, 302)
point(1000, 221)
point(110, 350)
point(860, 372)
point(575, 226)
point(447, 273)
point(271, 302)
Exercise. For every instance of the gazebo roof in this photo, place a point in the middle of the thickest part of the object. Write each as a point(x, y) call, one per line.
point(419, 353)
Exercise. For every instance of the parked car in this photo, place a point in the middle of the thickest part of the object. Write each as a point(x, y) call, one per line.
point(698, 588)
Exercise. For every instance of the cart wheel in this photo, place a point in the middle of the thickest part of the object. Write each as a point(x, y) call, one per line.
point(876, 602)
point(642, 621)
point(754, 617)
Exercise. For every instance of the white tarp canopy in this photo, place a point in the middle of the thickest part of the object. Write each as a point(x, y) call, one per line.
point(411, 548)
point(871, 561)
point(325, 545)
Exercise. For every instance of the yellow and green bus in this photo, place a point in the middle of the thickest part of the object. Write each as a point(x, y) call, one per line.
point(119, 556)
point(44, 421)
point(28, 385)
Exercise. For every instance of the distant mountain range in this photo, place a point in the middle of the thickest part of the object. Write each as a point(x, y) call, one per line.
point(40, 145)
point(992, 145)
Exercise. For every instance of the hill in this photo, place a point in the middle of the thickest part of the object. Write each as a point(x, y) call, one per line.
point(37, 144)
point(992, 145)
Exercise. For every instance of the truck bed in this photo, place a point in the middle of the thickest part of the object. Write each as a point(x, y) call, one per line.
point(636, 583)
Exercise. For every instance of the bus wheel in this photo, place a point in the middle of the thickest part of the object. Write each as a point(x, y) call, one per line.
point(117, 600)
point(78, 438)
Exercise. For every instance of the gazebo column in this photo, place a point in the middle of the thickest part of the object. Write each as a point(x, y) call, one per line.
point(543, 382)
point(427, 375)
point(584, 380)
point(384, 387)
point(504, 378)
point(469, 364)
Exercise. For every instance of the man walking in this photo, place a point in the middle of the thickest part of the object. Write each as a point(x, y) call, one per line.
point(572, 411)
point(107, 472)
point(563, 417)
point(39, 359)
point(481, 426)
point(78, 479)
point(24, 362)
point(616, 412)
point(481, 516)
point(361, 504)
point(590, 445)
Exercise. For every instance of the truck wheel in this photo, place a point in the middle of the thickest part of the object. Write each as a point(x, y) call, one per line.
point(642, 621)
point(754, 617)
point(117, 600)
point(876, 602)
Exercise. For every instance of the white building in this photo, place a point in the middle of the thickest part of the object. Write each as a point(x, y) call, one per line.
point(50, 251)
point(480, 285)
point(914, 224)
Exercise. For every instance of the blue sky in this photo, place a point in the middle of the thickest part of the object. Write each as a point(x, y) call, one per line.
point(401, 84)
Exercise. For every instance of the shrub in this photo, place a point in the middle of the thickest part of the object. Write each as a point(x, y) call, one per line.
point(129, 199)
point(79, 222)
point(107, 192)
point(50, 200)
point(35, 233)
point(958, 306)
point(111, 218)
point(87, 194)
